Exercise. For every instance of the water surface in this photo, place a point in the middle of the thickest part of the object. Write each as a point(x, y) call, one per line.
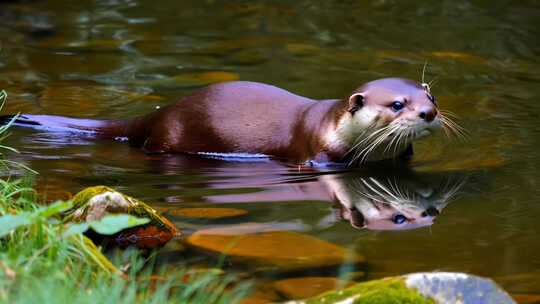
point(117, 59)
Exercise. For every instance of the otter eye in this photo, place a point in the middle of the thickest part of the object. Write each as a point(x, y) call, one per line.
point(432, 98)
point(397, 106)
point(398, 218)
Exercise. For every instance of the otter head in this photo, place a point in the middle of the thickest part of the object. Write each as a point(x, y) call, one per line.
point(392, 202)
point(384, 116)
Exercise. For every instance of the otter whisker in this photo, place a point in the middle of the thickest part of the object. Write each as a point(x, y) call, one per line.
point(448, 113)
point(356, 148)
point(432, 82)
point(394, 186)
point(368, 142)
point(409, 196)
point(452, 129)
point(396, 141)
point(400, 140)
point(451, 188)
point(385, 189)
point(361, 140)
point(393, 140)
point(424, 71)
point(375, 143)
point(403, 140)
point(375, 194)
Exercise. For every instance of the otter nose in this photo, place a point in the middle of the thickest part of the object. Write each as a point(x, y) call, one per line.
point(431, 211)
point(428, 114)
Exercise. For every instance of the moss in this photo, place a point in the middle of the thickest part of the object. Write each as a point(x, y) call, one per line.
point(391, 290)
point(135, 208)
point(81, 199)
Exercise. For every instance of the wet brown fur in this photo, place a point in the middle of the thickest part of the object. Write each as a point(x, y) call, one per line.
point(231, 117)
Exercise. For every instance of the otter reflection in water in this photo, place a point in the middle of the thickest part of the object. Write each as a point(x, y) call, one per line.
point(392, 202)
point(386, 198)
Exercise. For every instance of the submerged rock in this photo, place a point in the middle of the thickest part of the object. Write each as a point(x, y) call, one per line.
point(194, 79)
point(301, 49)
point(208, 213)
point(50, 193)
point(301, 288)
point(260, 297)
point(459, 56)
point(92, 204)
point(436, 287)
point(523, 283)
point(526, 298)
point(274, 249)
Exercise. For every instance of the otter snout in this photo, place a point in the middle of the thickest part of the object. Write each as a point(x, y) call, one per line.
point(428, 114)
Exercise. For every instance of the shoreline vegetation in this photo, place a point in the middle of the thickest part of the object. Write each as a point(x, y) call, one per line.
point(44, 258)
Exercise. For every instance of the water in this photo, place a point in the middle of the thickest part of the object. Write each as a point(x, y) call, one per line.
point(117, 59)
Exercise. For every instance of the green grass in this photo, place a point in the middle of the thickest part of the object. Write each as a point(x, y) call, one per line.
point(46, 260)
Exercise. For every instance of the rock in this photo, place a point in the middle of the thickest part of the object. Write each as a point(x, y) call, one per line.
point(301, 49)
point(460, 56)
point(92, 204)
point(435, 287)
point(301, 288)
point(196, 79)
point(523, 298)
point(276, 249)
point(209, 213)
point(261, 297)
point(50, 193)
point(520, 282)
point(447, 287)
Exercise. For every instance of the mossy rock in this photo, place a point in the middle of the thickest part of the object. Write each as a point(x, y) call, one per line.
point(92, 204)
point(436, 287)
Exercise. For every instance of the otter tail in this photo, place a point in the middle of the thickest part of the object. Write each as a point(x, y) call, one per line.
point(101, 128)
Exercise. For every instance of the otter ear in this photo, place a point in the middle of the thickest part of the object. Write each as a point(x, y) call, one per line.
point(426, 88)
point(356, 101)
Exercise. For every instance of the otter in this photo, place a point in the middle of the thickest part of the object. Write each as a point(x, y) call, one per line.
point(379, 120)
point(392, 202)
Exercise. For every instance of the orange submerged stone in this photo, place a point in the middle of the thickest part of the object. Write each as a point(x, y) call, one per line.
point(282, 249)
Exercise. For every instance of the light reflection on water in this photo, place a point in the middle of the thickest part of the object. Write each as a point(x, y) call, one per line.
point(106, 60)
